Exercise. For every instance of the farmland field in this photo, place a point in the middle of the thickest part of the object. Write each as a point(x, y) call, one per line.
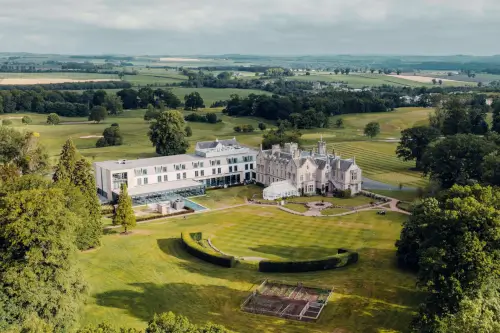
point(355, 80)
point(133, 277)
point(211, 95)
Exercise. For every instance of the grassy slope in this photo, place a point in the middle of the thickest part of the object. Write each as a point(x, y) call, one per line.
point(377, 159)
point(133, 277)
point(134, 130)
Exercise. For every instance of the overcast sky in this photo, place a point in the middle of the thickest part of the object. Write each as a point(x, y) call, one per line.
point(183, 27)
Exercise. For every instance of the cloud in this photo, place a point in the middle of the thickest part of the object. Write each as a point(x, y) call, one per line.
point(250, 26)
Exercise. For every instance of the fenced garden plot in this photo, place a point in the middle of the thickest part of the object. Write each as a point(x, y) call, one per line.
point(296, 302)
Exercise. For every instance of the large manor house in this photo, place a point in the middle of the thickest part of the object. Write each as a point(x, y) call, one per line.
point(307, 172)
point(223, 163)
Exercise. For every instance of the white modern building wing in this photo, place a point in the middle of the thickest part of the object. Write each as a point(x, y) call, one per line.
point(214, 164)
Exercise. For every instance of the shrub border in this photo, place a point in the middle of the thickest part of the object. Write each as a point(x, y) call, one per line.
point(343, 258)
point(193, 247)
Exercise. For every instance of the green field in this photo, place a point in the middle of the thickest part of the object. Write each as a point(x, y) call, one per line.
point(134, 129)
point(133, 277)
point(361, 80)
point(377, 159)
point(63, 75)
point(333, 211)
point(211, 95)
point(228, 197)
point(354, 201)
point(297, 207)
point(379, 162)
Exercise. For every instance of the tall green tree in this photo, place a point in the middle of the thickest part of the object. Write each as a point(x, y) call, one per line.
point(26, 120)
point(68, 157)
point(189, 131)
point(193, 101)
point(112, 136)
point(124, 214)
point(39, 276)
point(372, 129)
point(477, 313)
point(98, 114)
point(491, 169)
point(168, 135)
point(24, 151)
point(53, 119)
point(339, 123)
point(414, 141)
point(114, 104)
point(454, 243)
point(90, 231)
point(495, 126)
point(456, 159)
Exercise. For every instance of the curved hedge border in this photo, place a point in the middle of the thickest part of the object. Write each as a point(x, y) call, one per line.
point(342, 258)
point(190, 242)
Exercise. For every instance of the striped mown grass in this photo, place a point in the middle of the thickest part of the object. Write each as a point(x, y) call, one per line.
point(379, 162)
point(133, 277)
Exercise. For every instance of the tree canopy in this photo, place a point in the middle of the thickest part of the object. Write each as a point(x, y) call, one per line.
point(457, 159)
point(53, 119)
point(372, 129)
point(193, 101)
point(124, 214)
point(39, 277)
point(414, 142)
point(454, 243)
point(168, 135)
point(23, 151)
point(98, 114)
point(111, 136)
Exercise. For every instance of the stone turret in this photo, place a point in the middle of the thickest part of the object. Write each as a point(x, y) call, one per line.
point(275, 148)
point(322, 147)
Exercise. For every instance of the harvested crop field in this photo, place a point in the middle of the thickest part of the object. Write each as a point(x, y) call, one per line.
point(423, 79)
point(20, 81)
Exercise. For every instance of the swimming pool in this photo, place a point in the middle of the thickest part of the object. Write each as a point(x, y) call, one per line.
point(193, 205)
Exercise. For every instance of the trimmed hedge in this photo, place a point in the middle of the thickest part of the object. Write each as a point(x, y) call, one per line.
point(341, 259)
point(193, 247)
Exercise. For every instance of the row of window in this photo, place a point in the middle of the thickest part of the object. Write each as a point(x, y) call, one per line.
point(177, 167)
point(200, 173)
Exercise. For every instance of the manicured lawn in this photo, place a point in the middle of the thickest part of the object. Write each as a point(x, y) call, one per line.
point(297, 207)
point(379, 162)
point(351, 202)
point(333, 211)
point(133, 277)
point(231, 196)
point(400, 195)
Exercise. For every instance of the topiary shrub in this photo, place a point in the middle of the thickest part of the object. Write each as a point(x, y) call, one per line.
point(193, 247)
point(341, 259)
point(6, 122)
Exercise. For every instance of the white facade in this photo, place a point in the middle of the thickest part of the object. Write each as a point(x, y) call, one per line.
point(278, 190)
point(214, 163)
point(310, 172)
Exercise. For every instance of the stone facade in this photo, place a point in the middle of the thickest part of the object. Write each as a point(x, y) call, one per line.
point(310, 172)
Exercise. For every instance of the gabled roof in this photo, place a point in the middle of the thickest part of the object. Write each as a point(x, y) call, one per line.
point(213, 144)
